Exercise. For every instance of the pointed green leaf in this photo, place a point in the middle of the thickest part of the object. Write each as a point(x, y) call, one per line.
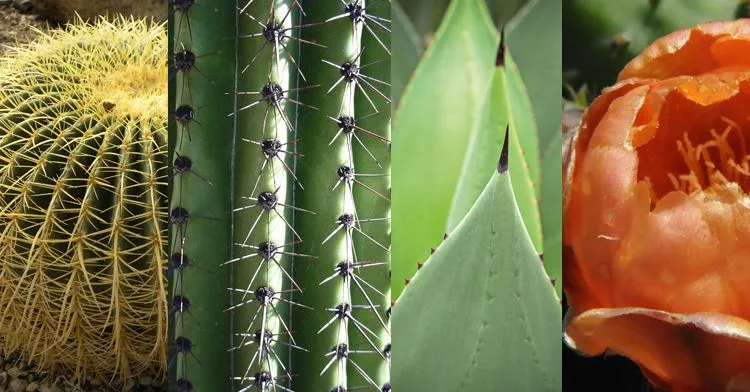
point(506, 104)
point(521, 117)
point(432, 128)
point(481, 315)
point(534, 39)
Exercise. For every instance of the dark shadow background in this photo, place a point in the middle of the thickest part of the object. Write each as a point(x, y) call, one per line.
point(610, 373)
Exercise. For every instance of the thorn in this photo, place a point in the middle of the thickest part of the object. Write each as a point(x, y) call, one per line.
point(502, 166)
point(500, 59)
point(445, 236)
point(406, 282)
point(432, 251)
point(541, 257)
point(419, 266)
point(553, 281)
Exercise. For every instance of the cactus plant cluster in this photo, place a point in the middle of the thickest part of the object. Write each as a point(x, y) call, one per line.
point(280, 203)
point(83, 200)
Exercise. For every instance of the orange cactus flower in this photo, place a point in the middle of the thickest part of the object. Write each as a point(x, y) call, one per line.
point(657, 213)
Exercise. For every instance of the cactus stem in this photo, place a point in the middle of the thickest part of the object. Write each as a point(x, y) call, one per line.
point(351, 74)
point(271, 149)
point(349, 178)
point(264, 381)
point(265, 225)
point(184, 61)
point(348, 126)
point(357, 13)
point(183, 165)
point(274, 96)
point(183, 115)
point(274, 33)
point(183, 7)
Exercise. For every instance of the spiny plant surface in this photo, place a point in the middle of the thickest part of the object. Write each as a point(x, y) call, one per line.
point(430, 189)
point(492, 314)
point(83, 200)
point(280, 208)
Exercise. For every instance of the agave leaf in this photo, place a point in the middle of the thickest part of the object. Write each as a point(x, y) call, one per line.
point(505, 104)
point(432, 128)
point(427, 14)
point(407, 47)
point(481, 313)
point(522, 118)
point(551, 209)
point(534, 39)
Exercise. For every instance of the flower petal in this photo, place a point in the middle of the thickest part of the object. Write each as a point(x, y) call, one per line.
point(688, 352)
point(695, 51)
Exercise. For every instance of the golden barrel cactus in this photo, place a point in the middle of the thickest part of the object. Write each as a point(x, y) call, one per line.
point(83, 199)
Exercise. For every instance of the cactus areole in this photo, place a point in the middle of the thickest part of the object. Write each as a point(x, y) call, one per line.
point(83, 200)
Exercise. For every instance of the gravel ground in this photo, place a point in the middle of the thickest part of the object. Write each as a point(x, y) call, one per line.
point(17, 375)
point(18, 27)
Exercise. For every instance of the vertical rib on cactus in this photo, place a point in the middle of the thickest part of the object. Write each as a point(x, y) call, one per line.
point(200, 202)
point(83, 200)
point(343, 343)
point(372, 156)
point(281, 145)
point(261, 285)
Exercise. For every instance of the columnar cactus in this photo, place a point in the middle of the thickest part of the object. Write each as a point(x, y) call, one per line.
point(280, 207)
point(83, 200)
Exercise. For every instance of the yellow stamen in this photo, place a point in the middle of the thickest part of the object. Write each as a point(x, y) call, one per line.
point(703, 171)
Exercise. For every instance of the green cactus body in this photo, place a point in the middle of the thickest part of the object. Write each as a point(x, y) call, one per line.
point(261, 272)
point(319, 173)
point(325, 165)
point(83, 201)
point(204, 136)
point(374, 206)
point(289, 188)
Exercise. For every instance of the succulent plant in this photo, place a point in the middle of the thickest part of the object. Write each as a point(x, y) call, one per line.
point(83, 200)
point(480, 312)
point(280, 202)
